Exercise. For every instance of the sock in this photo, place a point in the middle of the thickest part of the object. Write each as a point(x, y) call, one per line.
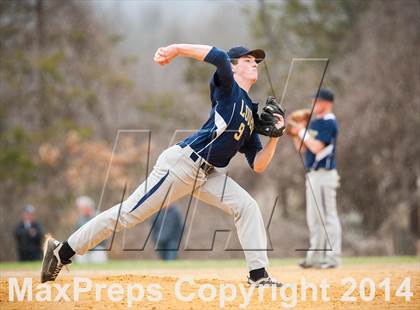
point(257, 274)
point(66, 252)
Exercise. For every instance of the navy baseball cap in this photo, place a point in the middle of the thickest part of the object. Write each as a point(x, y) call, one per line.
point(239, 51)
point(325, 94)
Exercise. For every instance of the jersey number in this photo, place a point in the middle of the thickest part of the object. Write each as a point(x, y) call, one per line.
point(238, 135)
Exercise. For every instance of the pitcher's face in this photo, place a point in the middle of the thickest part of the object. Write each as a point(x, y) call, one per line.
point(247, 68)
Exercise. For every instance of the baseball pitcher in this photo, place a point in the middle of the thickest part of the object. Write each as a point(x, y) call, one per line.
point(191, 166)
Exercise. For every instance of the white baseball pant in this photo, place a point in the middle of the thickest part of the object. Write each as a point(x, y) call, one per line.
point(175, 175)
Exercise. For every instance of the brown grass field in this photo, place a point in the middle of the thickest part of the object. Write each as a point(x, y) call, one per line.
point(220, 274)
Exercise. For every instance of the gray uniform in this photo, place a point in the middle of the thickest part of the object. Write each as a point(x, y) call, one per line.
point(322, 181)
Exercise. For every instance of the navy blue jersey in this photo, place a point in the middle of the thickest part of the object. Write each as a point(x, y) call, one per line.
point(229, 128)
point(324, 129)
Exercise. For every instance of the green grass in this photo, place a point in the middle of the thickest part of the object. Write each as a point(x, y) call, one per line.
point(197, 264)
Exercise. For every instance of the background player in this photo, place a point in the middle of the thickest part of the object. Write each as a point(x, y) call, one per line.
point(322, 180)
point(190, 167)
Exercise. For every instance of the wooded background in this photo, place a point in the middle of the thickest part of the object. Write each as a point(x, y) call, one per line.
point(73, 73)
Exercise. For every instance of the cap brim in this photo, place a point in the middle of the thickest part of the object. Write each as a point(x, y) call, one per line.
point(259, 54)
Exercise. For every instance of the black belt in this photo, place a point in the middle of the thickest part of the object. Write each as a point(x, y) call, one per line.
point(207, 168)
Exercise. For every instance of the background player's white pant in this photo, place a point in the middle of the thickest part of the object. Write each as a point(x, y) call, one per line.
point(174, 176)
point(321, 192)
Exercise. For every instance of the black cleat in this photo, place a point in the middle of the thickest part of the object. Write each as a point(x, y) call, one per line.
point(52, 263)
point(265, 281)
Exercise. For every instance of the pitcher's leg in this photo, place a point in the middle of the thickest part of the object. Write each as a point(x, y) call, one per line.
point(163, 187)
point(246, 213)
point(123, 215)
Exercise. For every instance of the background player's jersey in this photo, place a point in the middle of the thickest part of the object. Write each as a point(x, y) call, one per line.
point(230, 125)
point(324, 129)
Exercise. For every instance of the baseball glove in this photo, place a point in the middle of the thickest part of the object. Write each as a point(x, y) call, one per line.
point(265, 123)
point(301, 117)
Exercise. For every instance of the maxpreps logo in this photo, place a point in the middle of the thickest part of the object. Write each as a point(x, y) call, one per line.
point(56, 292)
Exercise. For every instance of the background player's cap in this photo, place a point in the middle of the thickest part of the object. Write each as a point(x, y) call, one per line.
point(239, 51)
point(325, 94)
